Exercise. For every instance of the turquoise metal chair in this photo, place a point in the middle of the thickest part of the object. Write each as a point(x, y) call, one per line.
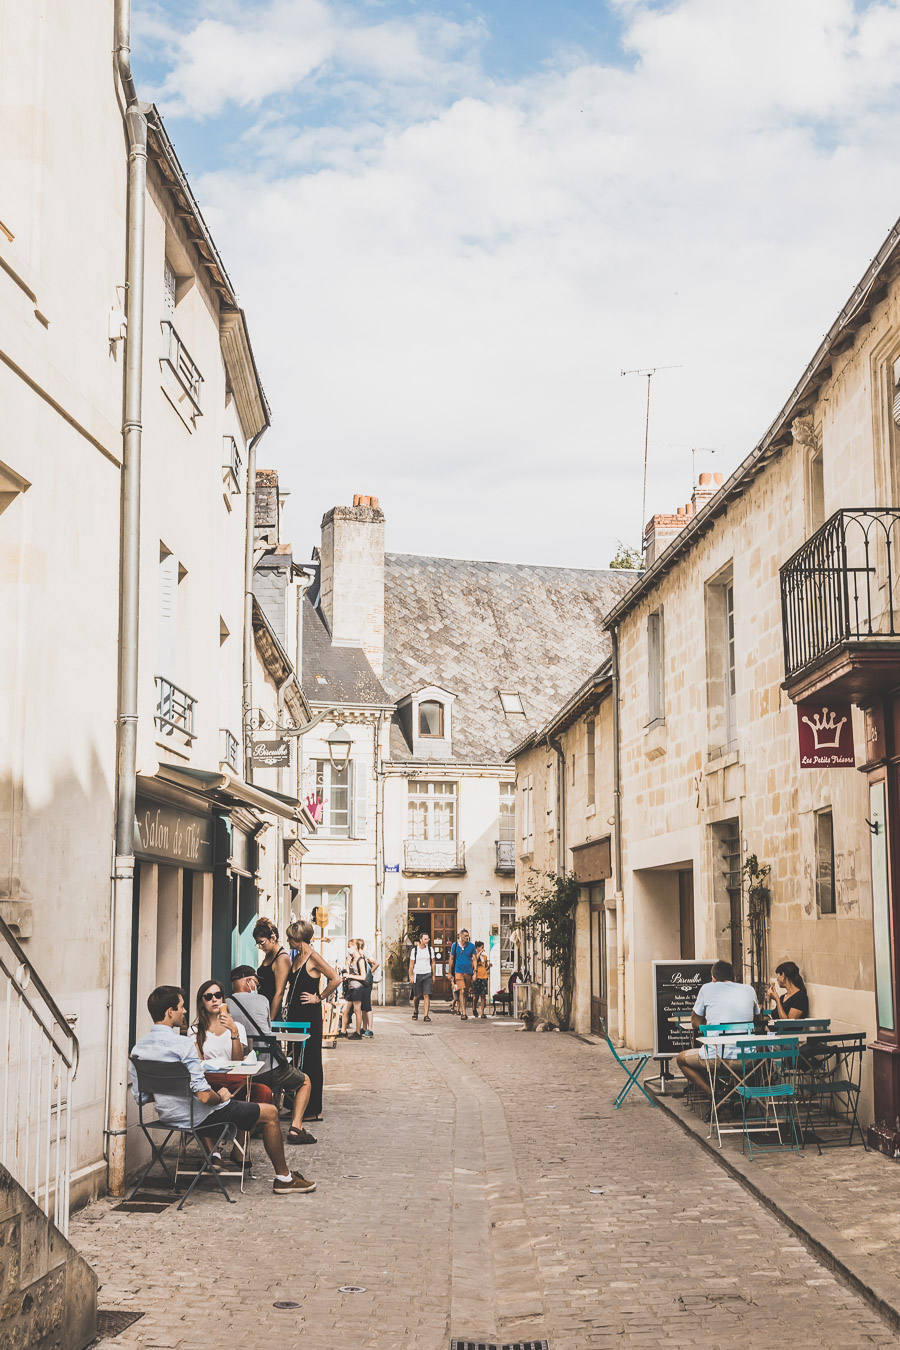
point(294, 1026)
point(632, 1065)
point(764, 1059)
point(829, 1086)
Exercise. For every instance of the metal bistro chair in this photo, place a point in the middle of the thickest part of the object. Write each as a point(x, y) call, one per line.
point(294, 1026)
point(172, 1079)
point(786, 1025)
point(632, 1065)
point(829, 1082)
point(769, 1057)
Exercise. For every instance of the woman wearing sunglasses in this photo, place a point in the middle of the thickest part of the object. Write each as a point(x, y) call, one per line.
point(221, 1040)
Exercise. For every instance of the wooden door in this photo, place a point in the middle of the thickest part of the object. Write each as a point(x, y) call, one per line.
point(437, 914)
point(599, 984)
point(686, 914)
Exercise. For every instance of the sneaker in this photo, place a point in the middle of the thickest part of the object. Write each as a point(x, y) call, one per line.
point(354, 1036)
point(342, 1035)
point(368, 1035)
point(297, 1185)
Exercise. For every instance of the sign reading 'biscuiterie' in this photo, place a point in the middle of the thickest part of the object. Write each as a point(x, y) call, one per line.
point(826, 736)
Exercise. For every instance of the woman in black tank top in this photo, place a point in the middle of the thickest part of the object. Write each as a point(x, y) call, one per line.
point(305, 998)
point(272, 975)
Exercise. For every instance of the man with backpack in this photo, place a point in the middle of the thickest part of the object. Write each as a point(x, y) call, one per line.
point(421, 974)
point(461, 971)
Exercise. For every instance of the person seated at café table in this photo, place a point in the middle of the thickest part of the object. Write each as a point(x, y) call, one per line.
point(212, 1107)
point(722, 1000)
point(251, 1011)
point(221, 1041)
point(788, 992)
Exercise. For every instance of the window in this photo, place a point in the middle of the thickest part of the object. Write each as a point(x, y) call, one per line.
point(507, 925)
point(528, 814)
point(169, 633)
point(590, 759)
point(431, 719)
point(721, 665)
point(170, 283)
point(333, 791)
point(825, 899)
point(510, 701)
point(507, 812)
point(432, 811)
point(730, 725)
point(336, 899)
point(656, 691)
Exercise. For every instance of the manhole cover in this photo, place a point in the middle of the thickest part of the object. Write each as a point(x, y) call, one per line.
point(112, 1322)
point(351, 1289)
point(493, 1345)
point(285, 1303)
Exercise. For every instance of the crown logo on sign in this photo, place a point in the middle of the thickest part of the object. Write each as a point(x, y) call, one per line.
point(825, 723)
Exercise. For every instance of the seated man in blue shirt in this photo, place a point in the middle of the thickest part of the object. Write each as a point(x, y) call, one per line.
point(718, 1002)
point(211, 1107)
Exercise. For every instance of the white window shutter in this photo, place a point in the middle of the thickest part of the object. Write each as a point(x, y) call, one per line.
point(168, 616)
point(359, 783)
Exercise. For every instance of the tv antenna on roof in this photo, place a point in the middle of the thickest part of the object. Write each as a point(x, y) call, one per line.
point(649, 372)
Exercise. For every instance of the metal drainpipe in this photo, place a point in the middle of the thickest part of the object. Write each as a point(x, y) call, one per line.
point(247, 691)
point(379, 865)
point(617, 814)
point(560, 805)
point(123, 871)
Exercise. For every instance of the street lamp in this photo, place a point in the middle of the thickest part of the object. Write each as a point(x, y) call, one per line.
point(339, 743)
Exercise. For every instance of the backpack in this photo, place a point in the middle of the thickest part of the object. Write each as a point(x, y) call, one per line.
point(370, 975)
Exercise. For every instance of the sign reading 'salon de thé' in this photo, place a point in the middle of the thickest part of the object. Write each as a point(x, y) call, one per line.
point(826, 735)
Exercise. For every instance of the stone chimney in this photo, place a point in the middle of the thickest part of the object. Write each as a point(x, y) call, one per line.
point(352, 576)
point(267, 518)
point(661, 530)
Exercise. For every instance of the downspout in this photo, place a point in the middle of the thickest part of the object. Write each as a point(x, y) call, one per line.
point(127, 717)
point(554, 744)
point(617, 826)
point(379, 860)
point(247, 692)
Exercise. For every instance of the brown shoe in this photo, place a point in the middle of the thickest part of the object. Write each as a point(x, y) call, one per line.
point(297, 1185)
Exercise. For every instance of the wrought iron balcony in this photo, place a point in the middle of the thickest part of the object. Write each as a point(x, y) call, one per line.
point(506, 856)
point(177, 359)
point(174, 709)
point(229, 749)
point(840, 613)
point(231, 466)
point(439, 856)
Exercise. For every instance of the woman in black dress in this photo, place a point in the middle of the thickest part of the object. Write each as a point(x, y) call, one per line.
point(305, 999)
point(794, 1002)
point(272, 975)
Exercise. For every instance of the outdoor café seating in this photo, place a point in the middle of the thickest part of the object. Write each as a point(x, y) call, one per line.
point(632, 1065)
point(828, 1085)
point(768, 1093)
point(170, 1079)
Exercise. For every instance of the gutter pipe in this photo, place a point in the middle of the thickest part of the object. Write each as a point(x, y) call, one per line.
point(617, 814)
point(129, 583)
point(554, 744)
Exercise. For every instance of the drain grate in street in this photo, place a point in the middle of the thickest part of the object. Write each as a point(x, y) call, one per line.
point(421, 1033)
point(143, 1206)
point(493, 1345)
point(112, 1322)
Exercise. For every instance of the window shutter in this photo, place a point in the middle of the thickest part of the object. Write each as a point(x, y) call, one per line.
point(359, 784)
point(168, 615)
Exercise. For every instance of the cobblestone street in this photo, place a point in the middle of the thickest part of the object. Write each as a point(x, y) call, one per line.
point(477, 1148)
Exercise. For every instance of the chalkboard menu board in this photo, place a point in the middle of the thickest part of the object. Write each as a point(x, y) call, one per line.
point(675, 988)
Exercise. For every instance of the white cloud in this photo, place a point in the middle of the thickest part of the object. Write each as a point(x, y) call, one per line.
point(442, 288)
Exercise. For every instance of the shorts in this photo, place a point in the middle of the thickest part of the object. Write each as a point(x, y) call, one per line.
point(695, 1059)
point(353, 993)
point(463, 982)
point(242, 1114)
point(423, 986)
point(288, 1077)
point(479, 988)
point(367, 998)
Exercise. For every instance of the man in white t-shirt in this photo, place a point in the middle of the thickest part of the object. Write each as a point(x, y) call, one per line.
point(721, 1001)
point(421, 974)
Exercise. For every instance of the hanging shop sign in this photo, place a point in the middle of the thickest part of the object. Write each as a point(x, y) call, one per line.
point(271, 754)
point(168, 834)
point(826, 736)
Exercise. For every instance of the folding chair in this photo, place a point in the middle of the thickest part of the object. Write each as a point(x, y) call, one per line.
point(632, 1065)
point(768, 1057)
point(831, 1081)
point(172, 1079)
point(294, 1026)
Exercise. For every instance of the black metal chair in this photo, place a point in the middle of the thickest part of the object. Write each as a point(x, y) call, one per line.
point(829, 1086)
point(172, 1079)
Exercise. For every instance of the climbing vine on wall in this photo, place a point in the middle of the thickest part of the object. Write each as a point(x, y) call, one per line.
point(551, 899)
point(759, 897)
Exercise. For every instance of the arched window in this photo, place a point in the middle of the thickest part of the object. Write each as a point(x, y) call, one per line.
point(431, 719)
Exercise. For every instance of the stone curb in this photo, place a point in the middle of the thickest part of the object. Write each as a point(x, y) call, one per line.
point(861, 1271)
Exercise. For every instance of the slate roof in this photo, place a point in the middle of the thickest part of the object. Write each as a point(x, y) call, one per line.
point(347, 674)
point(473, 628)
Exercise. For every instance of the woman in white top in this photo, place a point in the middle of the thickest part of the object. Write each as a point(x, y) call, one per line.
point(220, 1041)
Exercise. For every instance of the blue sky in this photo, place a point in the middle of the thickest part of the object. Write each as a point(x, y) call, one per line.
point(453, 225)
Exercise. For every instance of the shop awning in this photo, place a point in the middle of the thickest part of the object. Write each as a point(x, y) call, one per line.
point(228, 788)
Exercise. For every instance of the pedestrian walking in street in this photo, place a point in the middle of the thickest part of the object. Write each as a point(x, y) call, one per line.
point(421, 974)
point(353, 993)
point(368, 985)
point(251, 1011)
point(213, 1107)
point(461, 956)
point(276, 967)
point(481, 966)
point(305, 999)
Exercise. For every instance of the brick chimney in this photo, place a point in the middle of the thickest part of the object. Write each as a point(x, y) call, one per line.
point(267, 518)
point(352, 577)
point(661, 530)
point(707, 487)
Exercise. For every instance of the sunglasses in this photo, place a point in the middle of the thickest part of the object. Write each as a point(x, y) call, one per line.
point(213, 993)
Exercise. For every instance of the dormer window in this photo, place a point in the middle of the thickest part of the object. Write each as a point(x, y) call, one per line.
point(511, 701)
point(431, 720)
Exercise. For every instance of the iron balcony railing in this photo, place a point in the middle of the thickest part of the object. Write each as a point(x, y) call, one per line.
point(229, 749)
point(179, 361)
point(174, 709)
point(40, 1059)
point(434, 855)
point(840, 586)
point(231, 466)
point(506, 855)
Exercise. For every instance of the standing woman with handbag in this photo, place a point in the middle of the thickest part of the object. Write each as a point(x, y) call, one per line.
point(272, 975)
point(305, 999)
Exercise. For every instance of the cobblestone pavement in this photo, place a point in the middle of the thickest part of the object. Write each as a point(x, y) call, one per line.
point(477, 1148)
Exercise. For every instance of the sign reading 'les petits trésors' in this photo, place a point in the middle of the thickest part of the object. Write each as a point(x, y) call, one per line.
point(826, 736)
